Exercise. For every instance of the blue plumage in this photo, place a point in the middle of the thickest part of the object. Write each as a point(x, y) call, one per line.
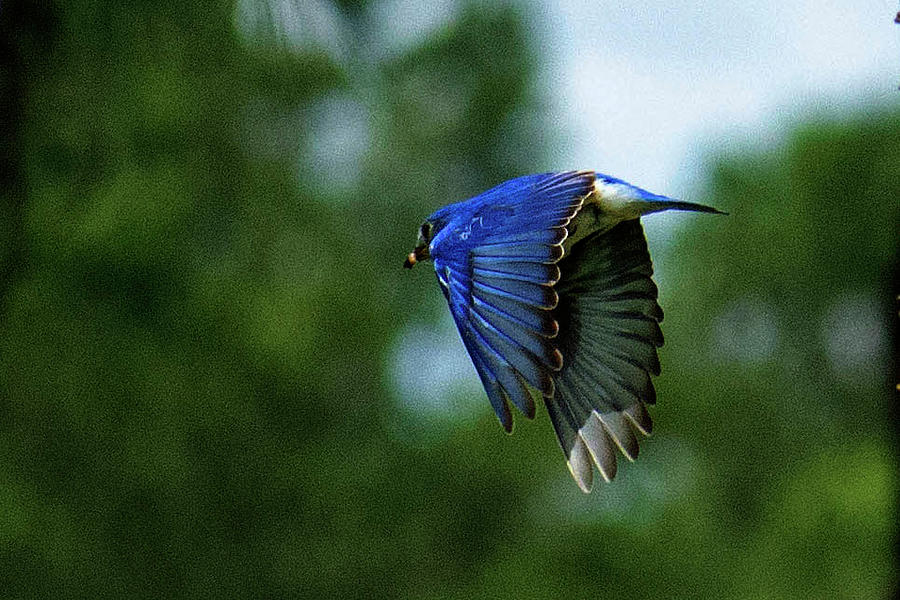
point(548, 280)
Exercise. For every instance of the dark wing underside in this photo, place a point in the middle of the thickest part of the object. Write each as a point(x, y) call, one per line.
point(609, 331)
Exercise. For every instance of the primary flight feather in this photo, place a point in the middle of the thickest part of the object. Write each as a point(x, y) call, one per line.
point(548, 279)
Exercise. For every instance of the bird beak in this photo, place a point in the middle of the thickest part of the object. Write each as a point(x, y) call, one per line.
point(420, 253)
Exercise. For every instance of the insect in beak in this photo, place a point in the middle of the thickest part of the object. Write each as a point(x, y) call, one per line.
point(420, 253)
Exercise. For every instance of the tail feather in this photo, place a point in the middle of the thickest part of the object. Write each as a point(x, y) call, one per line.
point(664, 203)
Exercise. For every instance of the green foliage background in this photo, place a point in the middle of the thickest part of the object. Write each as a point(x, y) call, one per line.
point(196, 331)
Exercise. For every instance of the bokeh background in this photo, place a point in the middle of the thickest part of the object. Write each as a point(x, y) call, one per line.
point(216, 381)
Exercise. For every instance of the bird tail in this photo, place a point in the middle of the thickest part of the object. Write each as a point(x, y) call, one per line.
point(660, 203)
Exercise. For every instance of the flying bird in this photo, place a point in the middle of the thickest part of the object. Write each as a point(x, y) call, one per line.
point(548, 278)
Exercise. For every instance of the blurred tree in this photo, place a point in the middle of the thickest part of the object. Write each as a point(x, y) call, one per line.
point(193, 342)
point(781, 348)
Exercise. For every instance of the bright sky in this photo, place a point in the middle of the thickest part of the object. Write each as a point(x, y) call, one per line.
point(648, 88)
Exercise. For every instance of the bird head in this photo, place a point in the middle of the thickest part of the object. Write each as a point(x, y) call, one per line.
point(421, 251)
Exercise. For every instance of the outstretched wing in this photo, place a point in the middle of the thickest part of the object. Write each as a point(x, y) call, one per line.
point(497, 268)
point(608, 333)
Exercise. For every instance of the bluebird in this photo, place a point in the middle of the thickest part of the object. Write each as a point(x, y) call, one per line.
point(548, 278)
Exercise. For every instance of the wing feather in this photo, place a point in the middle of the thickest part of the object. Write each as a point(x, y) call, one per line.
point(525, 251)
point(609, 333)
point(497, 262)
point(539, 273)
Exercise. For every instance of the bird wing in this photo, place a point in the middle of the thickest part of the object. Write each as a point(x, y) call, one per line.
point(609, 333)
point(497, 270)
